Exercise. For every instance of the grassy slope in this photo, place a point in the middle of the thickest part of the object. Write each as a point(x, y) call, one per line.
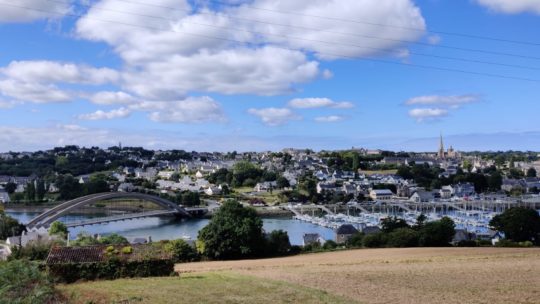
point(220, 287)
point(414, 275)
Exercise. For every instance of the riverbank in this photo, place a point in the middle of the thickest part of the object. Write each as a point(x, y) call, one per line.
point(403, 276)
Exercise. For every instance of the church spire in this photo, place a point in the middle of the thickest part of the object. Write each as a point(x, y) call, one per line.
point(441, 148)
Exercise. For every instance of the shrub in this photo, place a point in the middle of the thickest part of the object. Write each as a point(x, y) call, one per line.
point(356, 240)
point(277, 243)
point(127, 250)
point(402, 237)
point(375, 240)
point(34, 251)
point(438, 233)
point(21, 281)
point(329, 245)
point(468, 243)
point(110, 270)
point(509, 243)
point(181, 251)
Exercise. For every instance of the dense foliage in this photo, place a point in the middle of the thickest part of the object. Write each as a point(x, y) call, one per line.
point(277, 243)
point(85, 239)
point(9, 226)
point(22, 282)
point(519, 224)
point(233, 232)
point(181, 251)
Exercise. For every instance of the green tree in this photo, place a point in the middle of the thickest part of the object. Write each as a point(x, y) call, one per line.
point(518, 224)
point(495, 181)
point(403, 237)
point(9, 226)
point(113, 239)
point(233, 232)
point(278, 243)
point(30, 192)
point(69, 187)
point(40, 190)
point(438, 233)
point(181, 251)
point(58, 228)
point(282, 182)
point(392, 223)
point(531, 172)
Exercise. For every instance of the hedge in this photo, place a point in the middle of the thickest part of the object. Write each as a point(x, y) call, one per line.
point(110, 270)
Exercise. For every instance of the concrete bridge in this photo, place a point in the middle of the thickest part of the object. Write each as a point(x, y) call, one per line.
point(169, 208)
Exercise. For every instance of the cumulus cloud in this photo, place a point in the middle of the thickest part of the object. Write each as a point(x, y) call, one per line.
point(33, 92)
point(190, 110)
point(56, 72)
point(110, 98)
point(274, 116)
point(171, 56)
point(101, 115)
point(427, 114)
point(30, 10)
point(309, 103)
point(330, 118)
point(512, 6)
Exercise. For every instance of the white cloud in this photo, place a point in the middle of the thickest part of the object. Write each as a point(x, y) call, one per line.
point(309, 103)
point(110, 98)
point(455, 100)
point(190, 110)
point(421, 114)
point(33, 92)
point(29, 10)
point(101, 115)
point(56, 72)
point(512, 6)
point(169, 57)
point(330, 118)
point(274, 116)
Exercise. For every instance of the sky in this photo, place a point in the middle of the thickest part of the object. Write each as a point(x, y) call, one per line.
point(261, 75)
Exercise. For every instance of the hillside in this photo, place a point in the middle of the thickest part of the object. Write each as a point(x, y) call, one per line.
point(416, 275)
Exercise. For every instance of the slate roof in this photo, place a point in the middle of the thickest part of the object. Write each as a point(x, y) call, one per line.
point(346, 229)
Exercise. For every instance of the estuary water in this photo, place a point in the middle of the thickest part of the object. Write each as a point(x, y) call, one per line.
point(165, 228)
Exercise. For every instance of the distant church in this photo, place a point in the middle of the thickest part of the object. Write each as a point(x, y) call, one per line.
point(448, 154)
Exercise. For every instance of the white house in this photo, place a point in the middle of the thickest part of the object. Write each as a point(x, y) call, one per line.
point(213, 191)
point(381, 194)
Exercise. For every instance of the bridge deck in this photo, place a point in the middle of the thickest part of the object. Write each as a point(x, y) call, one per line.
point(122, 217)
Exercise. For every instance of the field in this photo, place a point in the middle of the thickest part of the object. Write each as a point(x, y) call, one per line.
point(416, 275)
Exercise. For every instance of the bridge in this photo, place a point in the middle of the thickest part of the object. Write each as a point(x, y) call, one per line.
point(168, 208)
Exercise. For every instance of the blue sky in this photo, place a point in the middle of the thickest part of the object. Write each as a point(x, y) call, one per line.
point(245, 75)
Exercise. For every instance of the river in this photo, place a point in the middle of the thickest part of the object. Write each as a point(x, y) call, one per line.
point(170, 228)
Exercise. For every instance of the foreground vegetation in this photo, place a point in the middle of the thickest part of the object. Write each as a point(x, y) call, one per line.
point(414, 275)
point(196, 288)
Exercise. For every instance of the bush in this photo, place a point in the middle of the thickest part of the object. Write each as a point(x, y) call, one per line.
point(509, 243)
point(356, 240)
point(402, 237)
point(375, 240)
point(438, 233)
point(110, 270)
point(329, 245)
point(181, 251)
point(277, 243)
point(32, 251)
point(21, 281)
point(468, 243)
point(127, 250)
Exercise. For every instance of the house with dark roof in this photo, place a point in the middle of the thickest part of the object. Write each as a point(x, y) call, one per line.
point(344, 233)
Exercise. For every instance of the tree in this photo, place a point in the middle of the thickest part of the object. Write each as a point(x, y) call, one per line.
point(420, 222)
point(518, 224)
point(402, 237)
point(282, 182)
point(9, 226)
point(390, 224)
point(113, 239)
point(10, 187)
point(58, 228)
point(181, 251)
point(531, 172)
point(233, 232)
point(30, 192)
point(495, 181)
point(278, 243)
point(438, 233)
point(68, 187)
point(40, 190)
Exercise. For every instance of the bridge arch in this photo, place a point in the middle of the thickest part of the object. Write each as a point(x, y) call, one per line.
point(51, 215)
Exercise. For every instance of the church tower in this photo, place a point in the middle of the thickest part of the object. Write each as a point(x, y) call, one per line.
point(441, 149)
